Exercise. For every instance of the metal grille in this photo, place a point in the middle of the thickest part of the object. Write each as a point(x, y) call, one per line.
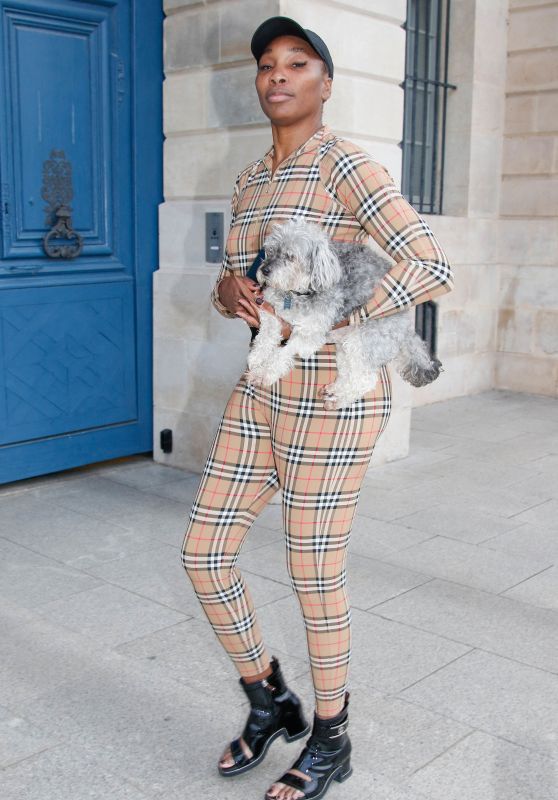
point(426, 323)
point(426, 87)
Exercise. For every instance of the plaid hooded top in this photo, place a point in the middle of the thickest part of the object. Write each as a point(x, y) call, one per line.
point(330, 181)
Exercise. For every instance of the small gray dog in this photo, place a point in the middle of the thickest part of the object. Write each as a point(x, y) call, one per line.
point(313, 283)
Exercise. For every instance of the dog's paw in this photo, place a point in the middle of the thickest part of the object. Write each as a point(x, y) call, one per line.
point(341, 394)
point(306, 351)
point(266, 375)
point(334, 397)
point(254, 378)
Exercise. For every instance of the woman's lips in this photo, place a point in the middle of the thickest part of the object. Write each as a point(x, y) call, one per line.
point(278, 97)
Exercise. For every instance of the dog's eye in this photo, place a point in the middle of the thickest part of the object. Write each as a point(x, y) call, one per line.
point(289, 257)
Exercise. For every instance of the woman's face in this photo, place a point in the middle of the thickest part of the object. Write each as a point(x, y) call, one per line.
point(292, 81)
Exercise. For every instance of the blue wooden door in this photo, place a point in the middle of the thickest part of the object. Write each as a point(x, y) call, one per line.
point(80, 123)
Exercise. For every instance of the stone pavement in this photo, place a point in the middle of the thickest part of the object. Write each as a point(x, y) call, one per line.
point(113, 686)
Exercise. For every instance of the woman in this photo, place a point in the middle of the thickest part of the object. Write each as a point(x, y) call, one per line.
point(282, 436)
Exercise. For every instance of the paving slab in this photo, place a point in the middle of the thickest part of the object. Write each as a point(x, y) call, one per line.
point(39, 656)
point(519, 450)
point(540, 590)
point(30, 580)
point(146, 513)
point(110, 614)
point(65, 771)
point(480, 619)
point(394, 738)
point(99, 496)
point(144, 728)
point(272, 516)
point(482, 766)
point(391, 504)
point(375, 538)
point(471, 474)
point(497, 695)
point(391, 656)
point(458, 520)
point(68, 536)
point(183, 491)
point(544, 514)
point(548, 463)
point(19, 739)
point(371, 581)
point(505, 503)
point(148, 475)
point(468, 564)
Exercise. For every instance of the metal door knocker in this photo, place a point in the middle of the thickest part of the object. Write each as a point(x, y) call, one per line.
point(57, 191)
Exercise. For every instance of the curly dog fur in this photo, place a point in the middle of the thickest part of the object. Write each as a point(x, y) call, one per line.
point(313, 283)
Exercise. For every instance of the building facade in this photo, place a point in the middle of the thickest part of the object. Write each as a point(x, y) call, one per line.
point(499, 327)
point(124, 122)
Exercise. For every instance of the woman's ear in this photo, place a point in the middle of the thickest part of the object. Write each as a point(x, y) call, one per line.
point(326, 269)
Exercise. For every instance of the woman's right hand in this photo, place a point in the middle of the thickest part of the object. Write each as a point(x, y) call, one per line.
point(233, 287)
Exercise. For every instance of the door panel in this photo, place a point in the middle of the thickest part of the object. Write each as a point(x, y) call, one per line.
point(66, 359)
point(75, 333)
point(63, 93)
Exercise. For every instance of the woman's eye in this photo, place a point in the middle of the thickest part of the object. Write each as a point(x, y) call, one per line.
point(300, 63)
point(263, 67)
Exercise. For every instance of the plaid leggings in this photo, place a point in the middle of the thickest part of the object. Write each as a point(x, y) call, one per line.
point(282, 437)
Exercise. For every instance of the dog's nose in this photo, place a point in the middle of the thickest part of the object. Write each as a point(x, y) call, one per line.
point(265, 270)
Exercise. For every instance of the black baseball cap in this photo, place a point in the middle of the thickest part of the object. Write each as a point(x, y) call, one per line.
point(283, 26)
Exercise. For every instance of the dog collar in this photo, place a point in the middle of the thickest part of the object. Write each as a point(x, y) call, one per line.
point(289, 297)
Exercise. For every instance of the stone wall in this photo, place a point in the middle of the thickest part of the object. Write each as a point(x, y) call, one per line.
point(499, 327)
point(527, 341)
point(469, 226)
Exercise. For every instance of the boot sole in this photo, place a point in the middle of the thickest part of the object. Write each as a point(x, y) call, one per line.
point(228, 771)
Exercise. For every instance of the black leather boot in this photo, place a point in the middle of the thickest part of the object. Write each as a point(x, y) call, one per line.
point(274, 711)
point(326, 756)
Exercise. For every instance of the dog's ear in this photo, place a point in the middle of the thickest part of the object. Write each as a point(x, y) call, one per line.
point(326, 269)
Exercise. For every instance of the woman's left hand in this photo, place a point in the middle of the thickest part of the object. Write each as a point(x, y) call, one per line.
point(252, 313)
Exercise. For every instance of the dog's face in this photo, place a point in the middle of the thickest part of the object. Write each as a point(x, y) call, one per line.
point(299, 258)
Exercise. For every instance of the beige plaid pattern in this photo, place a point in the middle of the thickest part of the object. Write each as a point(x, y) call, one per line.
point(282, 436)
point(331, 182)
